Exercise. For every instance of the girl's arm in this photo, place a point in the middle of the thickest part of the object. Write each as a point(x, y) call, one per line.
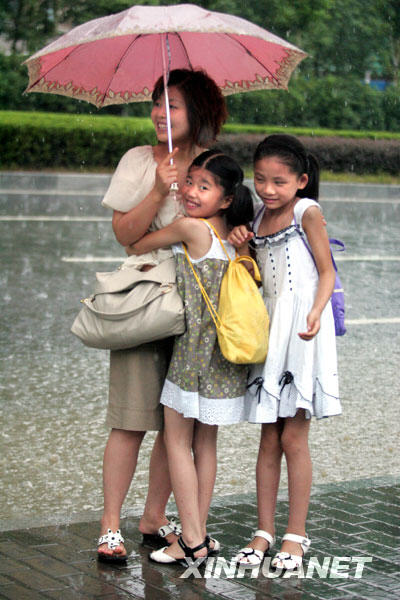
point(131, 226)
point(193, 232)
point(313, 225)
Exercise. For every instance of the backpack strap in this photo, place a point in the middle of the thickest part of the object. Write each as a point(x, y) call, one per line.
point(332, 241)
point(238, 258)
point(213, 312)
point(218, 236)
point(257, 216)
point(211, 308)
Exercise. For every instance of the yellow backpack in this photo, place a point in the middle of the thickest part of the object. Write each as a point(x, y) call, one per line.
point(241, 320)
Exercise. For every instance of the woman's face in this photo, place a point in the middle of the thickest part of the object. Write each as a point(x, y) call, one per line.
point(180, 127)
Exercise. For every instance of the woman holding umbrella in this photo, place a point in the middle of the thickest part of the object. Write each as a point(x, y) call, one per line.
point(140, 197)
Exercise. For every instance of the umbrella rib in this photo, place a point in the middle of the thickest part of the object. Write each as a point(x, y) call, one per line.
point(184, 49)
point(117, 67)
point(252, 55)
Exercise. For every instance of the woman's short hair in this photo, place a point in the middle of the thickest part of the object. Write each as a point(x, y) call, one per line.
point(204, 102)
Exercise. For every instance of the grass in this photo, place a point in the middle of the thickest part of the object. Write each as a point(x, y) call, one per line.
point(383, 178)
point(310, 131)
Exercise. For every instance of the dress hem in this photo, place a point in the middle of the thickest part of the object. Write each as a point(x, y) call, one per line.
point(267, 407)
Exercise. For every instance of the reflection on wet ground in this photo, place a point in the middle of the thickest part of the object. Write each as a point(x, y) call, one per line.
point(54, 390)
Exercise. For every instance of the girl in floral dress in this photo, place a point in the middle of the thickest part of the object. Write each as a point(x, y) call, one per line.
point(202, 389)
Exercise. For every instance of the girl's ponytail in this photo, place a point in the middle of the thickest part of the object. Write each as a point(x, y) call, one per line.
point(230, 177)
point(294, 155)
point(240, 211)
point(312, 188)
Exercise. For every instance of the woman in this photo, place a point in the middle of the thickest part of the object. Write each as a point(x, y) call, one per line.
point(140, 197)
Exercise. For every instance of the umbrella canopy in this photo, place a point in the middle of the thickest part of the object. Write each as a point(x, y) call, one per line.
point(117, 59)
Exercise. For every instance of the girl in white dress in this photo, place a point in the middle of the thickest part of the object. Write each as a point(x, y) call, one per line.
point(299, 378)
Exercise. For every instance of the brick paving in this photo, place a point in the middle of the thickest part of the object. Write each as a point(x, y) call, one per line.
point(354, 528)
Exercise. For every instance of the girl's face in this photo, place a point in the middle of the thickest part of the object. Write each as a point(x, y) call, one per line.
point(276, 183)
point(179, 117)
point(203, 197)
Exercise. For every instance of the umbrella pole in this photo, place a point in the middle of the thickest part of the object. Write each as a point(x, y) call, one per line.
point(174, 186)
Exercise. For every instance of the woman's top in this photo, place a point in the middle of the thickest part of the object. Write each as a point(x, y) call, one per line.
point(133, 179)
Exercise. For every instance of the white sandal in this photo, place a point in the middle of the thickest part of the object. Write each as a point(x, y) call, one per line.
point(113, 539)
point(251, 556)
point(289, 562)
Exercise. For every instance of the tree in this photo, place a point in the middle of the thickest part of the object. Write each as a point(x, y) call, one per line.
point(390, 13)
point(27, 23)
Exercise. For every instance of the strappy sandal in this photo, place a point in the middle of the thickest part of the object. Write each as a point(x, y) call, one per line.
point(216, 546)
point(113, 539)
point(252, 557)
point(161, 557)
point(289, 562)
point(158, 540)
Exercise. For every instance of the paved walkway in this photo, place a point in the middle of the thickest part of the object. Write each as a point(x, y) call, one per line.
point(354, 527)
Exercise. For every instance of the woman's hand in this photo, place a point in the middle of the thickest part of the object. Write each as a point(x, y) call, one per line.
point(239, 236)
point(166, 174)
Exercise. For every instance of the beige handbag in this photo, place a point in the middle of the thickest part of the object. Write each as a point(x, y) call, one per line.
point(131, 307)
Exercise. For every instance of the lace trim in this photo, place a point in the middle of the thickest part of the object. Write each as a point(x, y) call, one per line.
point(273, 238)
point(211, 411)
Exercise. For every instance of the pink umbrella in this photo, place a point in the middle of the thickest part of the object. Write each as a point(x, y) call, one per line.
point(117, 59)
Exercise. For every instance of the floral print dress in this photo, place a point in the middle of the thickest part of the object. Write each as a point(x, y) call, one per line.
point(201, 383)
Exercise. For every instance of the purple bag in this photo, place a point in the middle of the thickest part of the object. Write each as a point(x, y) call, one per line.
point(337, 298)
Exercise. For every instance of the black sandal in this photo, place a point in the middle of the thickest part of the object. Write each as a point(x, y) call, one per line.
point(159, 556)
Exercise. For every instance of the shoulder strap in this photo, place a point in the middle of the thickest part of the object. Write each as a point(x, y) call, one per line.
point(341, 245)
point(213, 312)
point(257, 216)
point(218, 236)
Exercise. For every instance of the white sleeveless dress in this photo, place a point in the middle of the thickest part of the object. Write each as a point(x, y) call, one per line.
point(297, 374)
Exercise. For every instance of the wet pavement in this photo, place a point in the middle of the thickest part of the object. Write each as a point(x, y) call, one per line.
point(54, 236)
point(353, 526)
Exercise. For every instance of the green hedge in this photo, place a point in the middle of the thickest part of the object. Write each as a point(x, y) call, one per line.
point(334, 153)
point(38, 140)
point(80, 142)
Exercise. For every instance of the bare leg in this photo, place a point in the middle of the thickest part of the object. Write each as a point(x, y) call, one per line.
point(205, 460)
point(120, 459)
point(158, 492)
point(179, 432)
point(295, 446)
point(268, 473)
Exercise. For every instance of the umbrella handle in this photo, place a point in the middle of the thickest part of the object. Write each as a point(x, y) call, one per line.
point(174, 186)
